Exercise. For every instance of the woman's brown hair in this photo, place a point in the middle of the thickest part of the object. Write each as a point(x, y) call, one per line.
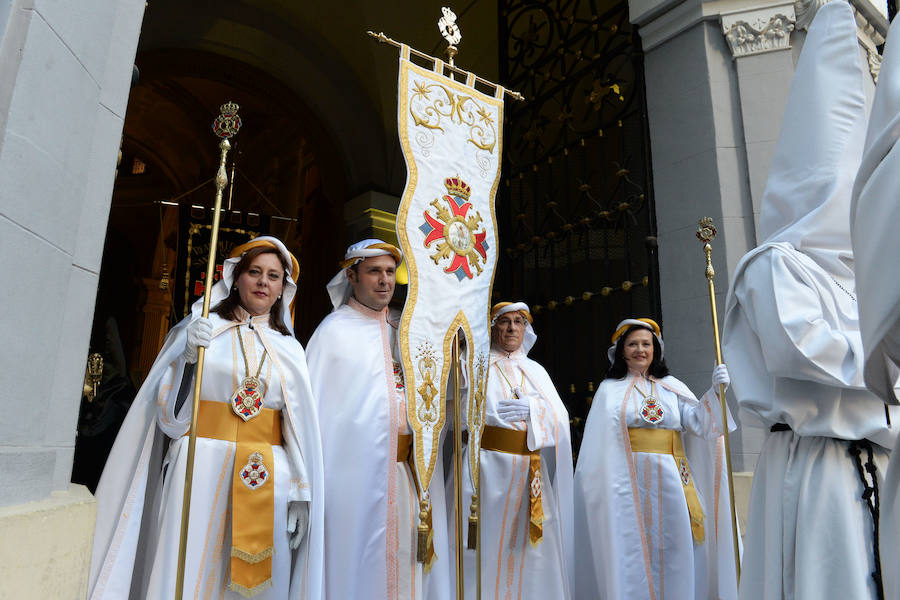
point(227, 308)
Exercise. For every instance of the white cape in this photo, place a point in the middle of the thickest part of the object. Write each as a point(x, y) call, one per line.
point(130, 494)
point(615, 557)
point(370, 494)
point(511, 567)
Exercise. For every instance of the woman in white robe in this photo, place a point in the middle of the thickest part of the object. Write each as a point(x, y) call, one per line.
point(140, 495)
point(652, 520)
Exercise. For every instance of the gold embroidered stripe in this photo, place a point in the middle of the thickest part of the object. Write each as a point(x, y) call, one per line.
point(668, 441)
point(512, 441)
point(252, 489)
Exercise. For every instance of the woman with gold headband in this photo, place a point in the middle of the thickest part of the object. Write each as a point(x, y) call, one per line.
point(256, 521)
point(651, 500)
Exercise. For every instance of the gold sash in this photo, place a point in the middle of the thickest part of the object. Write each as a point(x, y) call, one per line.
point(252, 489)
point(668, 441)
point(513, 441)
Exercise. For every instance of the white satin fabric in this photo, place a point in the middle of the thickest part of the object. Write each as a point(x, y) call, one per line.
point(140, 494)
point(511, 567)
point(634, 536)
point(875, 243)
point(792, 338)
point(875, 213)
point(372, 511)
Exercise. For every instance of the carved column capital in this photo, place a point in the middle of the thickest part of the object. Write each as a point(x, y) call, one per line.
point(759, 30)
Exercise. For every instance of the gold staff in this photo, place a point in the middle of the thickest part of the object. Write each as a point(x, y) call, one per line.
point(225, 126)
point(457, 468)
point(707, 233)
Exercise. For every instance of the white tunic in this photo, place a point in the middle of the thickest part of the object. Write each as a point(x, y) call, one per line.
point(372, 510)
point(141, 554)
point(511, 567)
point(635, 538)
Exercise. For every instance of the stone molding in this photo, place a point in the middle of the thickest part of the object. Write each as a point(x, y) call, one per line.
point(759, 30)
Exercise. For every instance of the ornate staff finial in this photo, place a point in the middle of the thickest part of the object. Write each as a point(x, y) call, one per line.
point(228, 123)
point(450, 30)
point(706, 233)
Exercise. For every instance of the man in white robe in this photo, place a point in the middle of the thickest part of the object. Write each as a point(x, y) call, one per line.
point(792, 339)
point(876, 246)
point(371, 516)
point(526, 472)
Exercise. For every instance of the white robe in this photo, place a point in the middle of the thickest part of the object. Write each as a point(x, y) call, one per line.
point(793, 331)
point(634, 534)
point(511, 567)
point(372, 515)
point(792, 338)
point(139, 502)
point(876, 246)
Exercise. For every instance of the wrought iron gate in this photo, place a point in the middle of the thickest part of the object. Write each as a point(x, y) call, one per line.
point(577, 224)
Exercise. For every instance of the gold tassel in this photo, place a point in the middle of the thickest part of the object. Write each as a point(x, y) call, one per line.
point(473, 524)
point(423, 531)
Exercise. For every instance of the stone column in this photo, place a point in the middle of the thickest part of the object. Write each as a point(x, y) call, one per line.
point(65, 73)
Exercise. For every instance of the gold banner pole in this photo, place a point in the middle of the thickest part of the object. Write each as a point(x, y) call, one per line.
point(478, 539)
point(707, 233)
point(225, 126)
point(457, 469)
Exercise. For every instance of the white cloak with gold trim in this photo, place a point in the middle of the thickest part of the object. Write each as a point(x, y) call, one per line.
point(140, 495)
point(370, 523)
point(511, 567)
point(634, 537)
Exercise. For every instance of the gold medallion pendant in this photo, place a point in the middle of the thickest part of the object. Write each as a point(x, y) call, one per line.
point(254, 474)
point(246, 400)
point(651, 411)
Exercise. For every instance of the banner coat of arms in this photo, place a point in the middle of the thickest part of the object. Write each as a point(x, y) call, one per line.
point(451, 135)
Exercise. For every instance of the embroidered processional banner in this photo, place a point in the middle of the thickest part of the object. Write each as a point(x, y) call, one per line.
point(451, 138)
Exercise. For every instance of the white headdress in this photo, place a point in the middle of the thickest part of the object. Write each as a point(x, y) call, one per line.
point(627, 324)
point(501, 308)
point(223, 287)
point(339, 289)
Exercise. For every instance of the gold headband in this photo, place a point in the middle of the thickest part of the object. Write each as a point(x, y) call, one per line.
point(621, 330)
point(239, 250)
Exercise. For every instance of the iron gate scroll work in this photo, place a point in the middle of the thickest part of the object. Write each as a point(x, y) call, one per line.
point(577, 222)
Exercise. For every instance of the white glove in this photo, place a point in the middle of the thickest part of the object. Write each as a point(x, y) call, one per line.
point(297, 522)
point(513, 409)
point(720, 376)
point(199, 333)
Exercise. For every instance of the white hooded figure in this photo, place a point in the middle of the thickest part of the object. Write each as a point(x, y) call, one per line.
point(792, 338)
point(875, 214)
point(257, 502)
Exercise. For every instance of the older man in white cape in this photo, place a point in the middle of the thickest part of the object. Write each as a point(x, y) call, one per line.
point(876, 246)
point(792, 337)
point(372, 513)
point(526, 472)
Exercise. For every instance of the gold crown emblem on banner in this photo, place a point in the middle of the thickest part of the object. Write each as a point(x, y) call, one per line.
point(229, 108)
point(457, 187)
